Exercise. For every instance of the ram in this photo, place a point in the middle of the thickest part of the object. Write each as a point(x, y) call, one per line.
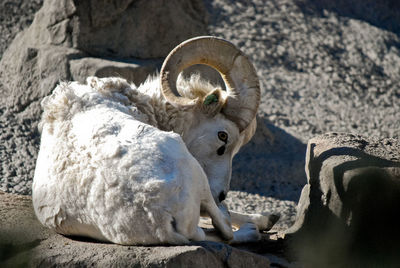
point(139, 165)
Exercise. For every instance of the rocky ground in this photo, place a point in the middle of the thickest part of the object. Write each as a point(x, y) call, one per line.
point(14, 17)
point(323, 67)
point(18, 146)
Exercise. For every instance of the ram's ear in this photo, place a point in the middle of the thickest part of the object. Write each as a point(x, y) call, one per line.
point(212, 103)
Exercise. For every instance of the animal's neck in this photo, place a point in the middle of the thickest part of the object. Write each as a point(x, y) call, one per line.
point(170, 118)
point(162, 114)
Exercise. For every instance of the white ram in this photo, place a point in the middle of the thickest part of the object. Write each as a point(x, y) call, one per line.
point(139, 165)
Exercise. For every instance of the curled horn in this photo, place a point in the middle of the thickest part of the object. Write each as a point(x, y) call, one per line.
point(238, 73)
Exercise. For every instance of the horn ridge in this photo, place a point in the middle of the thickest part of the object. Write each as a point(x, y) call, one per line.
point(236, 70)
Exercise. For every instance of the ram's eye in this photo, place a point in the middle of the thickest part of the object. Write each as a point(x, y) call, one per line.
point(223, 136)
point(221, 150)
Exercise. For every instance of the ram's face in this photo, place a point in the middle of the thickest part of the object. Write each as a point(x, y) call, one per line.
point(214, 142)
point(228, 117)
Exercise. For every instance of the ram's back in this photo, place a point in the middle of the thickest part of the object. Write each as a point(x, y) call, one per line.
point(101, 166)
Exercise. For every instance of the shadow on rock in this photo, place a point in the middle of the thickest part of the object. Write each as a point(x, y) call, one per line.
point(347, 211)
point(369, 239)
point(271, 164)
point(9, 250)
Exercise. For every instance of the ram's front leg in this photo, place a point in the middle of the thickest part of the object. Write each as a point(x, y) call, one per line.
point(263, 222)
point(247, 233)
point(220, 219)
point(249, 225)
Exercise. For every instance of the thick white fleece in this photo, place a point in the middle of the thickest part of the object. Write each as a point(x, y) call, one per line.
point(104, 172)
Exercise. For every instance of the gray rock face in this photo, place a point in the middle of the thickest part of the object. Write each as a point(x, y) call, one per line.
point(15, 16)
point(136, 70)
point(136, 28)
point(348, 211)
point(24, 242)
point(122, 29)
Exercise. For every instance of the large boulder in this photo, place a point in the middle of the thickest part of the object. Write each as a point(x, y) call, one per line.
point(136, 28)
point(348, 210)
point(15, 16)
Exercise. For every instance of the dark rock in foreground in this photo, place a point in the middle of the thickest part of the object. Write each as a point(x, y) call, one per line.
point(348, 211)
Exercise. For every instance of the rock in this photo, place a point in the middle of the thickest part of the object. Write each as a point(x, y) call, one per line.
point(137, 28)
point(135, 71)
point(15, 16)
point(347, 213)
point(30, 73)
point(120, 29)
point(25, 242)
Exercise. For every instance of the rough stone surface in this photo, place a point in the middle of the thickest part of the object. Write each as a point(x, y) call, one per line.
point(137, 28)
point(24, 242)
point(135, 71)
point(14, 17)
point(348, 210)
